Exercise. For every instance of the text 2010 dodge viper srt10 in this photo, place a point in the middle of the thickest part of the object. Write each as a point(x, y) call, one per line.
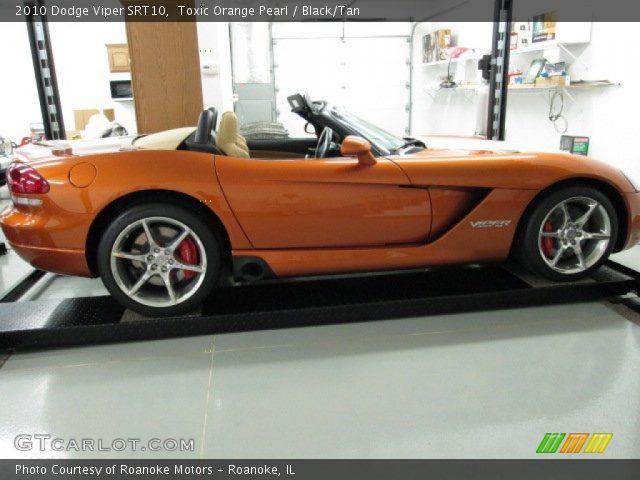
point(183, 211)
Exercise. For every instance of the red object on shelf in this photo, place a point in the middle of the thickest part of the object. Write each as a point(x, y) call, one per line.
point(455, 52)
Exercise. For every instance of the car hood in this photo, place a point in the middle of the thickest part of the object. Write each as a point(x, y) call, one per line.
point(476, 143)
point(472, 162)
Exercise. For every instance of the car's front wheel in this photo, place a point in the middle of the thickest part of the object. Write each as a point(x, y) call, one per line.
point(159, 259)
point(569, 233)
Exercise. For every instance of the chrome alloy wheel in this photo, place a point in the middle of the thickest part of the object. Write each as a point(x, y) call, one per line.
point(574, 235)
point(158, 261)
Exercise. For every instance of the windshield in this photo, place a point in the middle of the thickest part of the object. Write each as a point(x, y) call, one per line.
point(385, 141)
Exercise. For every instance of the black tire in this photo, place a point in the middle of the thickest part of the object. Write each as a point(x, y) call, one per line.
point(528, 249)
point(212, 247)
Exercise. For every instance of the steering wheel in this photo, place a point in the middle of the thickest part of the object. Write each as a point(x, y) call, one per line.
point(324, 142)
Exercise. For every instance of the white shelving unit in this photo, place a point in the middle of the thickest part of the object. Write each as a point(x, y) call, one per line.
point(453, 61)
point(468, 93)
point(536, 47)
point(545, 47)
point(567, 34)
point(566, 89)
point(586, 86)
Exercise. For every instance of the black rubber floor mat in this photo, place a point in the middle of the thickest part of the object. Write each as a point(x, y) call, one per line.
point(360, 289)
point(300, 303)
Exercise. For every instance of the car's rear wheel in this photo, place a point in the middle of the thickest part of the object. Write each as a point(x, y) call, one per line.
point(569, 233)
point(159, 259)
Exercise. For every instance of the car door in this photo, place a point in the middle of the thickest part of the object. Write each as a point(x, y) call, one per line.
point(320, 203)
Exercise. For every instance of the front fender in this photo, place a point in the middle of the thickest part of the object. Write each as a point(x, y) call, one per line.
point(520, 171)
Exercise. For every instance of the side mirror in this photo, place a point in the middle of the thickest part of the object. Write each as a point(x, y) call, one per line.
point(353, 146)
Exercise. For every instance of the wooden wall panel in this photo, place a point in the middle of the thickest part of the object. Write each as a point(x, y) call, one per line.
point(165, 74)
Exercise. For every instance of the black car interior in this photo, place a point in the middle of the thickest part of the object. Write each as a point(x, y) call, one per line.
point(293, 147)
point(203, 139)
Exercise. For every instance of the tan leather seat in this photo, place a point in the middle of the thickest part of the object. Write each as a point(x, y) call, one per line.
point(228, 139)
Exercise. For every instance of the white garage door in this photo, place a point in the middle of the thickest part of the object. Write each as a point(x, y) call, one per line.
point(366, 74)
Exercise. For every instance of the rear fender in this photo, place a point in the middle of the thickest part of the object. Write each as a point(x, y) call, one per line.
point(123, 173)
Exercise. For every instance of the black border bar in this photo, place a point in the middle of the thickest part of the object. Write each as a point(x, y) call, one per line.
point(556, 468)
point(319, 10)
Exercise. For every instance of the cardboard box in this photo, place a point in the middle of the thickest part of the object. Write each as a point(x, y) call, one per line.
point(444, 42)
point(543, 27)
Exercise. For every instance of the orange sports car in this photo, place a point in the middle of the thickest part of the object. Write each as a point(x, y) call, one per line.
point(178, 213)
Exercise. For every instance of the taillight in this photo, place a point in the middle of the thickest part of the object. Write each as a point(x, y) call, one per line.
point(24, 179)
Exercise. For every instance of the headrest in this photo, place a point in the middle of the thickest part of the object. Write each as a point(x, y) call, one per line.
point(228, 139)
point(228, 126)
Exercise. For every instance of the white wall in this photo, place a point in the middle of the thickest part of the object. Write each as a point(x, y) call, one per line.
point(609, 116)
point(82, 67)
point(213, 42)
point(19, 104)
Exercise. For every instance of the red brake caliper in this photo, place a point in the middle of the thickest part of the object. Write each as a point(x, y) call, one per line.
point(548, 242)
point(188, 254)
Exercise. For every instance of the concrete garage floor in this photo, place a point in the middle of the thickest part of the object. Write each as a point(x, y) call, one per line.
point(486, 384)
point(480, 385)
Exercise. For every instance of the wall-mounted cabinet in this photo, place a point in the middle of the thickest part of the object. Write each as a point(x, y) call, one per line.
point(118, 54)
point(165, 74)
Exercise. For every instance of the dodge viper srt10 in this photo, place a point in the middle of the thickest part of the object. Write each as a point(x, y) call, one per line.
point(166, 220)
